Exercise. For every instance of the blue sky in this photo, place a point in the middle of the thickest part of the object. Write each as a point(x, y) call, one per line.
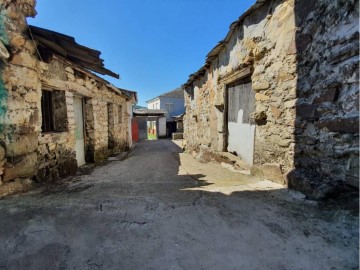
point(153, 44)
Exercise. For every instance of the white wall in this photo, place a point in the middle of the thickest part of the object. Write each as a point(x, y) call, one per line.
point(241, 139)
point(155, 104)
point(177, 108)
point(162, 126)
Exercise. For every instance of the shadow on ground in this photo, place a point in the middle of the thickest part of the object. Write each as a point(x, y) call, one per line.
point(160, 209)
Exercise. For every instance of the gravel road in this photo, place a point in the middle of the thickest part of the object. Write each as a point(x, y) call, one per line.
point(161, 209)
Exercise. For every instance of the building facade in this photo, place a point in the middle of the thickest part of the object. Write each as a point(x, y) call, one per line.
point(56, 114)
point(173, 103)
point(281, 92)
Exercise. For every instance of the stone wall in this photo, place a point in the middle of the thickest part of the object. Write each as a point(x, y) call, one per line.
point(100, 98)
point(327, 107)
point(19, 98)
point(56, 151)
point(297, 53)
point(260, 47)
point(26, 152)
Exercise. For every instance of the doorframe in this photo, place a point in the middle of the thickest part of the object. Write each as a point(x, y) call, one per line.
point(224, 83)
point(84, 125)
point(110, 110)
point(82, 98)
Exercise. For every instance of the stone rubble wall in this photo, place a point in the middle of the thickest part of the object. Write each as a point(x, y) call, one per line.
point(303, 57)
point(26, 153)
point(198, 116)
point(327, 107)
point(19, 103)
point(98, 96)
point(262, 42)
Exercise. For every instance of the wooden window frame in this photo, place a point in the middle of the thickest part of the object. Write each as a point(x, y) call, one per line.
point(49, 123)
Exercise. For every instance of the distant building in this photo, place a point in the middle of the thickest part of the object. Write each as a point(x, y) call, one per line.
point(148, 121)
point(173, 103)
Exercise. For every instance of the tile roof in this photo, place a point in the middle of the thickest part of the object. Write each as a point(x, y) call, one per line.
point(149, 112)
point(176, 93)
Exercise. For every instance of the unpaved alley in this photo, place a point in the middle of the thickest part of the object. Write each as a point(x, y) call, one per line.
point(162, 209)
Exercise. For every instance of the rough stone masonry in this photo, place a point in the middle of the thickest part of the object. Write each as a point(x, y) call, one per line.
point(28, 76)
point(302, 61)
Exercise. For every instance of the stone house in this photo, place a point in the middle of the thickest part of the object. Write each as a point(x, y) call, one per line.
point(281, 93)
point(55, 113)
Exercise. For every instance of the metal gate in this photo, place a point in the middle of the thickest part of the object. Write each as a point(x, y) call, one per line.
point(241, 131)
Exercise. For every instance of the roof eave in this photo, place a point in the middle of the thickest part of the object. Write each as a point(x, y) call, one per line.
point(221, 44)
point(67, 47)
point(151, 100)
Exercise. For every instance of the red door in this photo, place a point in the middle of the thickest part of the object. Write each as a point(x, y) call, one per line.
point(134, 129)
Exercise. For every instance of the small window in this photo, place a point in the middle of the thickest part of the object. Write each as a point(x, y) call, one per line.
point(47, 112)
point(169, 107)
point(54, 111)
point(191, 93)
point(120, 114)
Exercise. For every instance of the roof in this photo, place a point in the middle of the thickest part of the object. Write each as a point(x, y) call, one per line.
point(179, 117)
point(176, 93)
point(123, 92)
point(149, 112)
point(221, 44)
point(129, 93)
point(67, 47)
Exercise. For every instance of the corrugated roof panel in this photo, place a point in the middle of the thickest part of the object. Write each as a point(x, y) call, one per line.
point(67, 47)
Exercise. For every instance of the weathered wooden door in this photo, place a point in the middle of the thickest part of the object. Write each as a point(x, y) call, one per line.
point(79, 130)
point(241, 131)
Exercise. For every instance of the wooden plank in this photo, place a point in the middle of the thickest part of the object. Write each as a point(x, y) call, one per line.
point(51, 45)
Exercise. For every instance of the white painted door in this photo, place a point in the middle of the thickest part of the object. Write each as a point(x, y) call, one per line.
point(241, 131)
point(79, 131)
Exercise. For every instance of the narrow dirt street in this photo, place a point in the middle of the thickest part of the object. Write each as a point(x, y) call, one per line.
point(161, 209)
